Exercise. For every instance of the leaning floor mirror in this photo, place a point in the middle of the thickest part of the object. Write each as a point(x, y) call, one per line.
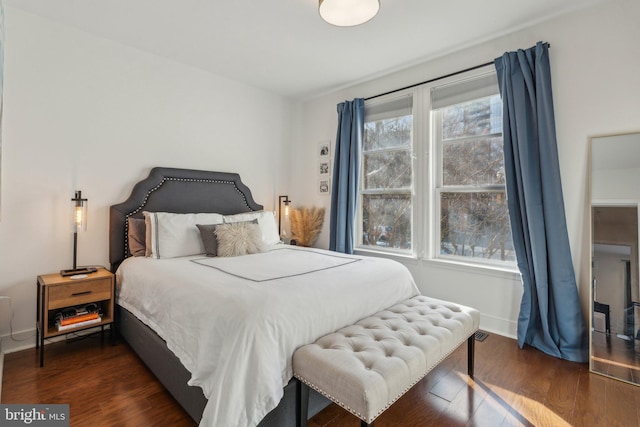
point(615, 285)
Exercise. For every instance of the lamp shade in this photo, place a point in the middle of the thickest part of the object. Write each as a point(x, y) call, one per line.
point(281, 213)
point(79, 206)
point(348, 13)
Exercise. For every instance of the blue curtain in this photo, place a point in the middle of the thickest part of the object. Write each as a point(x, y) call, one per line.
point(550, 314)
point(346, 173)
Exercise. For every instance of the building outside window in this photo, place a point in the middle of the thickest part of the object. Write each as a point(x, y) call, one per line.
point(470, 187)
point(458, 210)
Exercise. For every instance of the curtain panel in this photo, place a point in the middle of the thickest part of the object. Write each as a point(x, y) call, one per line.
point(346, 175)
point(550, 316)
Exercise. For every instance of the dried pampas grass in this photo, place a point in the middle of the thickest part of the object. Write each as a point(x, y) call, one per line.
point(306, 224)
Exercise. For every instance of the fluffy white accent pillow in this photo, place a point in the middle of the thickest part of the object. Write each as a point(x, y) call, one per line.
point(171, 235)
point(240, 238)
point(266, 221)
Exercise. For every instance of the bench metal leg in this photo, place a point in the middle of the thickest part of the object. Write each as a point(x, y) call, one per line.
point(302, 404)
point(471, 343)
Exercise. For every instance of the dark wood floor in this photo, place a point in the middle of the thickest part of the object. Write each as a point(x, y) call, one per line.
point(109, 386)
point(616, 356)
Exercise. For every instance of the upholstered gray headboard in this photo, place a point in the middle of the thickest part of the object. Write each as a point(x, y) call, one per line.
point(177, 191)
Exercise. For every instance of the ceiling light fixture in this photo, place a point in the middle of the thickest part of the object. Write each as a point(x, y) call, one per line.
point(348, 13)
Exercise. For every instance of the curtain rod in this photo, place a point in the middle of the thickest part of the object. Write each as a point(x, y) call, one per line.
point(435, 79)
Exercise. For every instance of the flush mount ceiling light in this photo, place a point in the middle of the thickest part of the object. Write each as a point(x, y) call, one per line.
point(348, 13)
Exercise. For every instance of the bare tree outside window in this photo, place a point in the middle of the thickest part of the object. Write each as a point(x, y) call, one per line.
point(459, 202)
point(474, 219)
point(386, 183)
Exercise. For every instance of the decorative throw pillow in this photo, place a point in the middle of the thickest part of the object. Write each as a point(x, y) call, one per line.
point(136, 235)
point(209, 239)
point(240, 238)
point(266, 221)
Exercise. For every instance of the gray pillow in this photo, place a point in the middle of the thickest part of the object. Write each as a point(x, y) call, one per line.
point(209, 240)
point(136, 235)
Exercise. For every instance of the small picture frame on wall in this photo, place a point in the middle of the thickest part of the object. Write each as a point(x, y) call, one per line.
point(324, 149)
point(324, 168)
point(324, 186)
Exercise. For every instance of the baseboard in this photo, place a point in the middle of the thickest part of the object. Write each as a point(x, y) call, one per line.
point(506, 328)
point(19, 341)
point(27, 339)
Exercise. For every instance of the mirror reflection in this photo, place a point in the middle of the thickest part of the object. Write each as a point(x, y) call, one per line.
point(615, 290)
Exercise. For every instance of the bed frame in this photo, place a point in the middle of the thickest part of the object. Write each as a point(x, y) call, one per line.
point(185, 191)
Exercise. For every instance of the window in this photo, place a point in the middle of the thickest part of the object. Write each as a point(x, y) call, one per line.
point(387, 176)
point(472, 216)
point(453, 205)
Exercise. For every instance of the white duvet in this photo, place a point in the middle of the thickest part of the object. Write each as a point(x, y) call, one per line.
point(234, 323)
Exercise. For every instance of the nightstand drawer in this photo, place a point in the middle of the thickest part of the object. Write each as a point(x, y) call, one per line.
point(79, 293)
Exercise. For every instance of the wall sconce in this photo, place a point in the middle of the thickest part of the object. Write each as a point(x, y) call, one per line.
point(79, 224)
point(286, 201)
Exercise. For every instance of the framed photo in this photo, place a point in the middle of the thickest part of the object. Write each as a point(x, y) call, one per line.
point(324, 186)
point(324, 168)
point(324, 149)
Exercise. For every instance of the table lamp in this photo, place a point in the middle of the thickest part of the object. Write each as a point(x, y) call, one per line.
point(79, 208)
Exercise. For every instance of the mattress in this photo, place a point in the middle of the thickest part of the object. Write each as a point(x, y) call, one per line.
point(234, 323)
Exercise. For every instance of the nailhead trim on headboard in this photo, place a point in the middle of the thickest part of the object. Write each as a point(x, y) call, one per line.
point(165, 179)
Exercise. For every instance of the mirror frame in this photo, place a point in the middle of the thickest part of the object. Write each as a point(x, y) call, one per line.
point(603, 203)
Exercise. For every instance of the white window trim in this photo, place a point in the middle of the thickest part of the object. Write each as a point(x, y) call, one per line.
point(439, 187)
point(425, 197)
point(411, 191)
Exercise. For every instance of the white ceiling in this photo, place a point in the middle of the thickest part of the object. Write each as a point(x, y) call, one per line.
point(282, 46)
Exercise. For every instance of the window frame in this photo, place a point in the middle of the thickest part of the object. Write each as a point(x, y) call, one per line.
point(440, 187)
point(391, 99)
point(425, 197)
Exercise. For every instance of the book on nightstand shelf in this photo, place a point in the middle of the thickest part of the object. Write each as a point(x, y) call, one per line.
point(74, 317)
point(78, 324)
point(78, 319)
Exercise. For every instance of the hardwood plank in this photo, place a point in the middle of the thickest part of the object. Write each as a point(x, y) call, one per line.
point(109, 386)
point(465, 403)
point(590, 400)
point(620, 404)
point(488, 414)
point(104, 385)
point(449, 386)
point(561, 398)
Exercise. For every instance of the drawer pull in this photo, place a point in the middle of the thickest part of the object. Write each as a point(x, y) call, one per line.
point(77, 294)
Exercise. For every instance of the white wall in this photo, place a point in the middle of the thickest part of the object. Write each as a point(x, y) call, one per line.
point(84, 113)
point(615, 184)
point(595, 58)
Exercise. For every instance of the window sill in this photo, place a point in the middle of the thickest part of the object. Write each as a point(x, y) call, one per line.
point(511, 273)
point(398, 256)
point(486, 269)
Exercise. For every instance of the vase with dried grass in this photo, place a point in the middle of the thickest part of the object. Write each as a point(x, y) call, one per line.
point(306, 224)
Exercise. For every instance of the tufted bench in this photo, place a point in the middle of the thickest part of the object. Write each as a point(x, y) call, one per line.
point(368, 366)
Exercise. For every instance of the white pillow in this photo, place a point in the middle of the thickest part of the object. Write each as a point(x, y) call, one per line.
point(173, 235)
point(266, 221)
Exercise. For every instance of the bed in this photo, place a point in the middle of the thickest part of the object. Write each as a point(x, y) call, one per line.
point(252, 311)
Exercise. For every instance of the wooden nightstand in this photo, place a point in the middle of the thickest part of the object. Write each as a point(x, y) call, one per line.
point(56, 293)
